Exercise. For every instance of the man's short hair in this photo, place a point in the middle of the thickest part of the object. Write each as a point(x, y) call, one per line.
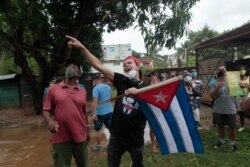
point(73, 61)
point(154, 74)
point(137, 61)
point(97, 76)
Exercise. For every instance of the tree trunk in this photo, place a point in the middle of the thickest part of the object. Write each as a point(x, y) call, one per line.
point(46, 70)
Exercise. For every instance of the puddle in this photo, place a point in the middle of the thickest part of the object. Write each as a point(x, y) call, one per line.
point(10, 142)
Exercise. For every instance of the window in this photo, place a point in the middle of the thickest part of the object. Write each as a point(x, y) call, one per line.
point(116, 63)
point(112, 49)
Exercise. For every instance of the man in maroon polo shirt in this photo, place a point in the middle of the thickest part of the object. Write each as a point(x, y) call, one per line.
point(65, 113)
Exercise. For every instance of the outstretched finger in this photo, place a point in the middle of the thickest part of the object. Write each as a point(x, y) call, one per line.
point(70, 44)
point(69, 37)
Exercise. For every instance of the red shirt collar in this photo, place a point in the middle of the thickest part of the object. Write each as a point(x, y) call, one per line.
point(76, 85)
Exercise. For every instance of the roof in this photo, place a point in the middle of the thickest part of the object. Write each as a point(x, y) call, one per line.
point(9, 76)
point(237, 37)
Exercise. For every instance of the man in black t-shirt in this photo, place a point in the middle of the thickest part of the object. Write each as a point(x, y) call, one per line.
point(128, 122)
point(127, 126)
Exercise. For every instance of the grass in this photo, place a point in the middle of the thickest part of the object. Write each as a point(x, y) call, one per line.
point(211, 158)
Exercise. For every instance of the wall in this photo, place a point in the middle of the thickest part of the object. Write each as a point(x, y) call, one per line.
point(9, 94)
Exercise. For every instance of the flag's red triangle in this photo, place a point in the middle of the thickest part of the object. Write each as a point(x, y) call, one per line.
point(161, 96)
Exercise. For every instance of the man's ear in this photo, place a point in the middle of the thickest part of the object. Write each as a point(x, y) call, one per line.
point(138, 67)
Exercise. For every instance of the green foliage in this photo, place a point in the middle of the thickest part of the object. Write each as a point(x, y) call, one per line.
point(195, 37)
point(33, 66)
point(8, 66)
point(206, 33)
point(145, 71)
point(41, 26)
point(190, 62)
point(92, 41)
point(35, 30)
point(153, 50)
point(166, 19)
point(136, 54)
point(160, 22)
point(160, 63)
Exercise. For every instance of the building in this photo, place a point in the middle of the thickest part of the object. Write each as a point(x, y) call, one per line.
point(14, 91)
point(116, 52)
point(113, 56)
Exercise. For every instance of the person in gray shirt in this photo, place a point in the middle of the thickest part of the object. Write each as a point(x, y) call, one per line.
point(224, 109)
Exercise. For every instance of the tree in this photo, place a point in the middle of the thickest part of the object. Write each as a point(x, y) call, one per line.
point(195, 37)
point(37, 29)
point(136, 54)
point(153, 51)
point(161, 62)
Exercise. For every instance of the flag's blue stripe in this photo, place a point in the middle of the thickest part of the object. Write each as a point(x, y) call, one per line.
point(174, 128)
point(185, 106)
point(188, 115)
point(155, 125)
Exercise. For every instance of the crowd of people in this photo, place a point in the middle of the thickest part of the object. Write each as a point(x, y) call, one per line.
point(194, 89)
point(65, 110)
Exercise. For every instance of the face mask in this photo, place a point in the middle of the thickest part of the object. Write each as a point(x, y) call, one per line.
point(221, 73)
point(70, 72)
point(242, 72)
point(187, 79)
point(131, 74)
point(194, 74)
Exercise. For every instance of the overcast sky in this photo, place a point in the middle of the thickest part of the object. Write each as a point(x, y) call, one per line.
point(219, 15)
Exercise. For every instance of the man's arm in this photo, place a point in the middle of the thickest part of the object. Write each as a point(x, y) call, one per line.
point(214, 91)
point(94, 106)
point(197, 92)
point(44, 97)
point(245, 105)
point(52, 124)
point(87, 122)
point(91, 59)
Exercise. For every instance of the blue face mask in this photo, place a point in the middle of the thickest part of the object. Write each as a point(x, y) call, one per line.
point(194, 74)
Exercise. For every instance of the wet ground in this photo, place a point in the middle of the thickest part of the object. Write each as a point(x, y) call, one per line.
point(25, 140)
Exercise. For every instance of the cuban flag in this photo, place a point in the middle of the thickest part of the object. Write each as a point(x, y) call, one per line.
point(168, 111)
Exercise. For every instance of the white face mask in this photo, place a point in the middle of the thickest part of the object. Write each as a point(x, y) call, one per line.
point(131, 74)
point(71, 72)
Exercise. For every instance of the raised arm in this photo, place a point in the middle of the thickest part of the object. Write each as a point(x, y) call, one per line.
point(91, 59)
point(214, 91)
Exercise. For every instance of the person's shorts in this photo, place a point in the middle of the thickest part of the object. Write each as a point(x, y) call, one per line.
point(225, 119)
point(102, 119)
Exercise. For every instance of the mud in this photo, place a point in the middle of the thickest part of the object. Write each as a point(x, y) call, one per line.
point(25, 139)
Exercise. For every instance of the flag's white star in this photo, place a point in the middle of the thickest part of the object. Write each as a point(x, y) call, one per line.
point(160, 97)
